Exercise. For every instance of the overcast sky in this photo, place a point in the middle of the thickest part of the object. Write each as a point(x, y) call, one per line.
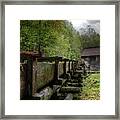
point(77, 24)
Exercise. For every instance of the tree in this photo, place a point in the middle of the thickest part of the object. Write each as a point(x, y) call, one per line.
point(89, 37)
point(54, 37)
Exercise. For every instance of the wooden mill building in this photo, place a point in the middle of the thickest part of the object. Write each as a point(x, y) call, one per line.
point(92, 56)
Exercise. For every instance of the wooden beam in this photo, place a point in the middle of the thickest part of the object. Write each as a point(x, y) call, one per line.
point(64, 68)
point(73, 84)
point(48, 59)
point(56, 70)
point(70, 89)
point(69, 66)
point(29, 74)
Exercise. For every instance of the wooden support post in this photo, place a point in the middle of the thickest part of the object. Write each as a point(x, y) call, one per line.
point(72, 64)
point(29, 77)
point(56, 74)
point(69, 66)
point(56, 70)
point(64, 67)
point(25, 78)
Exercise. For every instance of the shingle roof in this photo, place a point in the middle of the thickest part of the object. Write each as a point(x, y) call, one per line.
point(90, 52)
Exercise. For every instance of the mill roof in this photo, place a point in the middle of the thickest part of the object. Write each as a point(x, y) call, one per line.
point(90, 52)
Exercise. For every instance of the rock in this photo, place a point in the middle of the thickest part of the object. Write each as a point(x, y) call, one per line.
point(45, 94)
point(69, 97)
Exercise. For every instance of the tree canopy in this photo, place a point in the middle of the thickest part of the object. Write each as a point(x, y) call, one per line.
point(56, 38)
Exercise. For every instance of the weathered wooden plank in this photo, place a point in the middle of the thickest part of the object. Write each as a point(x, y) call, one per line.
point(69, 67)
point(56, 75)
point(28, 55)
point(48, 59)
point(79, 71)
point(64, 59)
point(73, 84)
point(29, 75)
point(23, 82)
point(93, 72)
point(64, 67)
point(70, 89)
point(73, 81)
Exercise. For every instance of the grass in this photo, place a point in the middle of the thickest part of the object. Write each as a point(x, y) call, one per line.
point(91, 88)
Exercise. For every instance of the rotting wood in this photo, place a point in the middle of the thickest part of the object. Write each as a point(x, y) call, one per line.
point(49, 59)
point(70, 89)
point(73, 84)
point(29, 77)
point(65, 84)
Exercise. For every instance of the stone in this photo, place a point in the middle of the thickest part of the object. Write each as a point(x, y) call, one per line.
point(69, 97)
point(45, 94)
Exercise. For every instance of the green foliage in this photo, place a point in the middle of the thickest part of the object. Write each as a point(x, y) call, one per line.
point(91, 88)
point(54, 37)
point(90, 38)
